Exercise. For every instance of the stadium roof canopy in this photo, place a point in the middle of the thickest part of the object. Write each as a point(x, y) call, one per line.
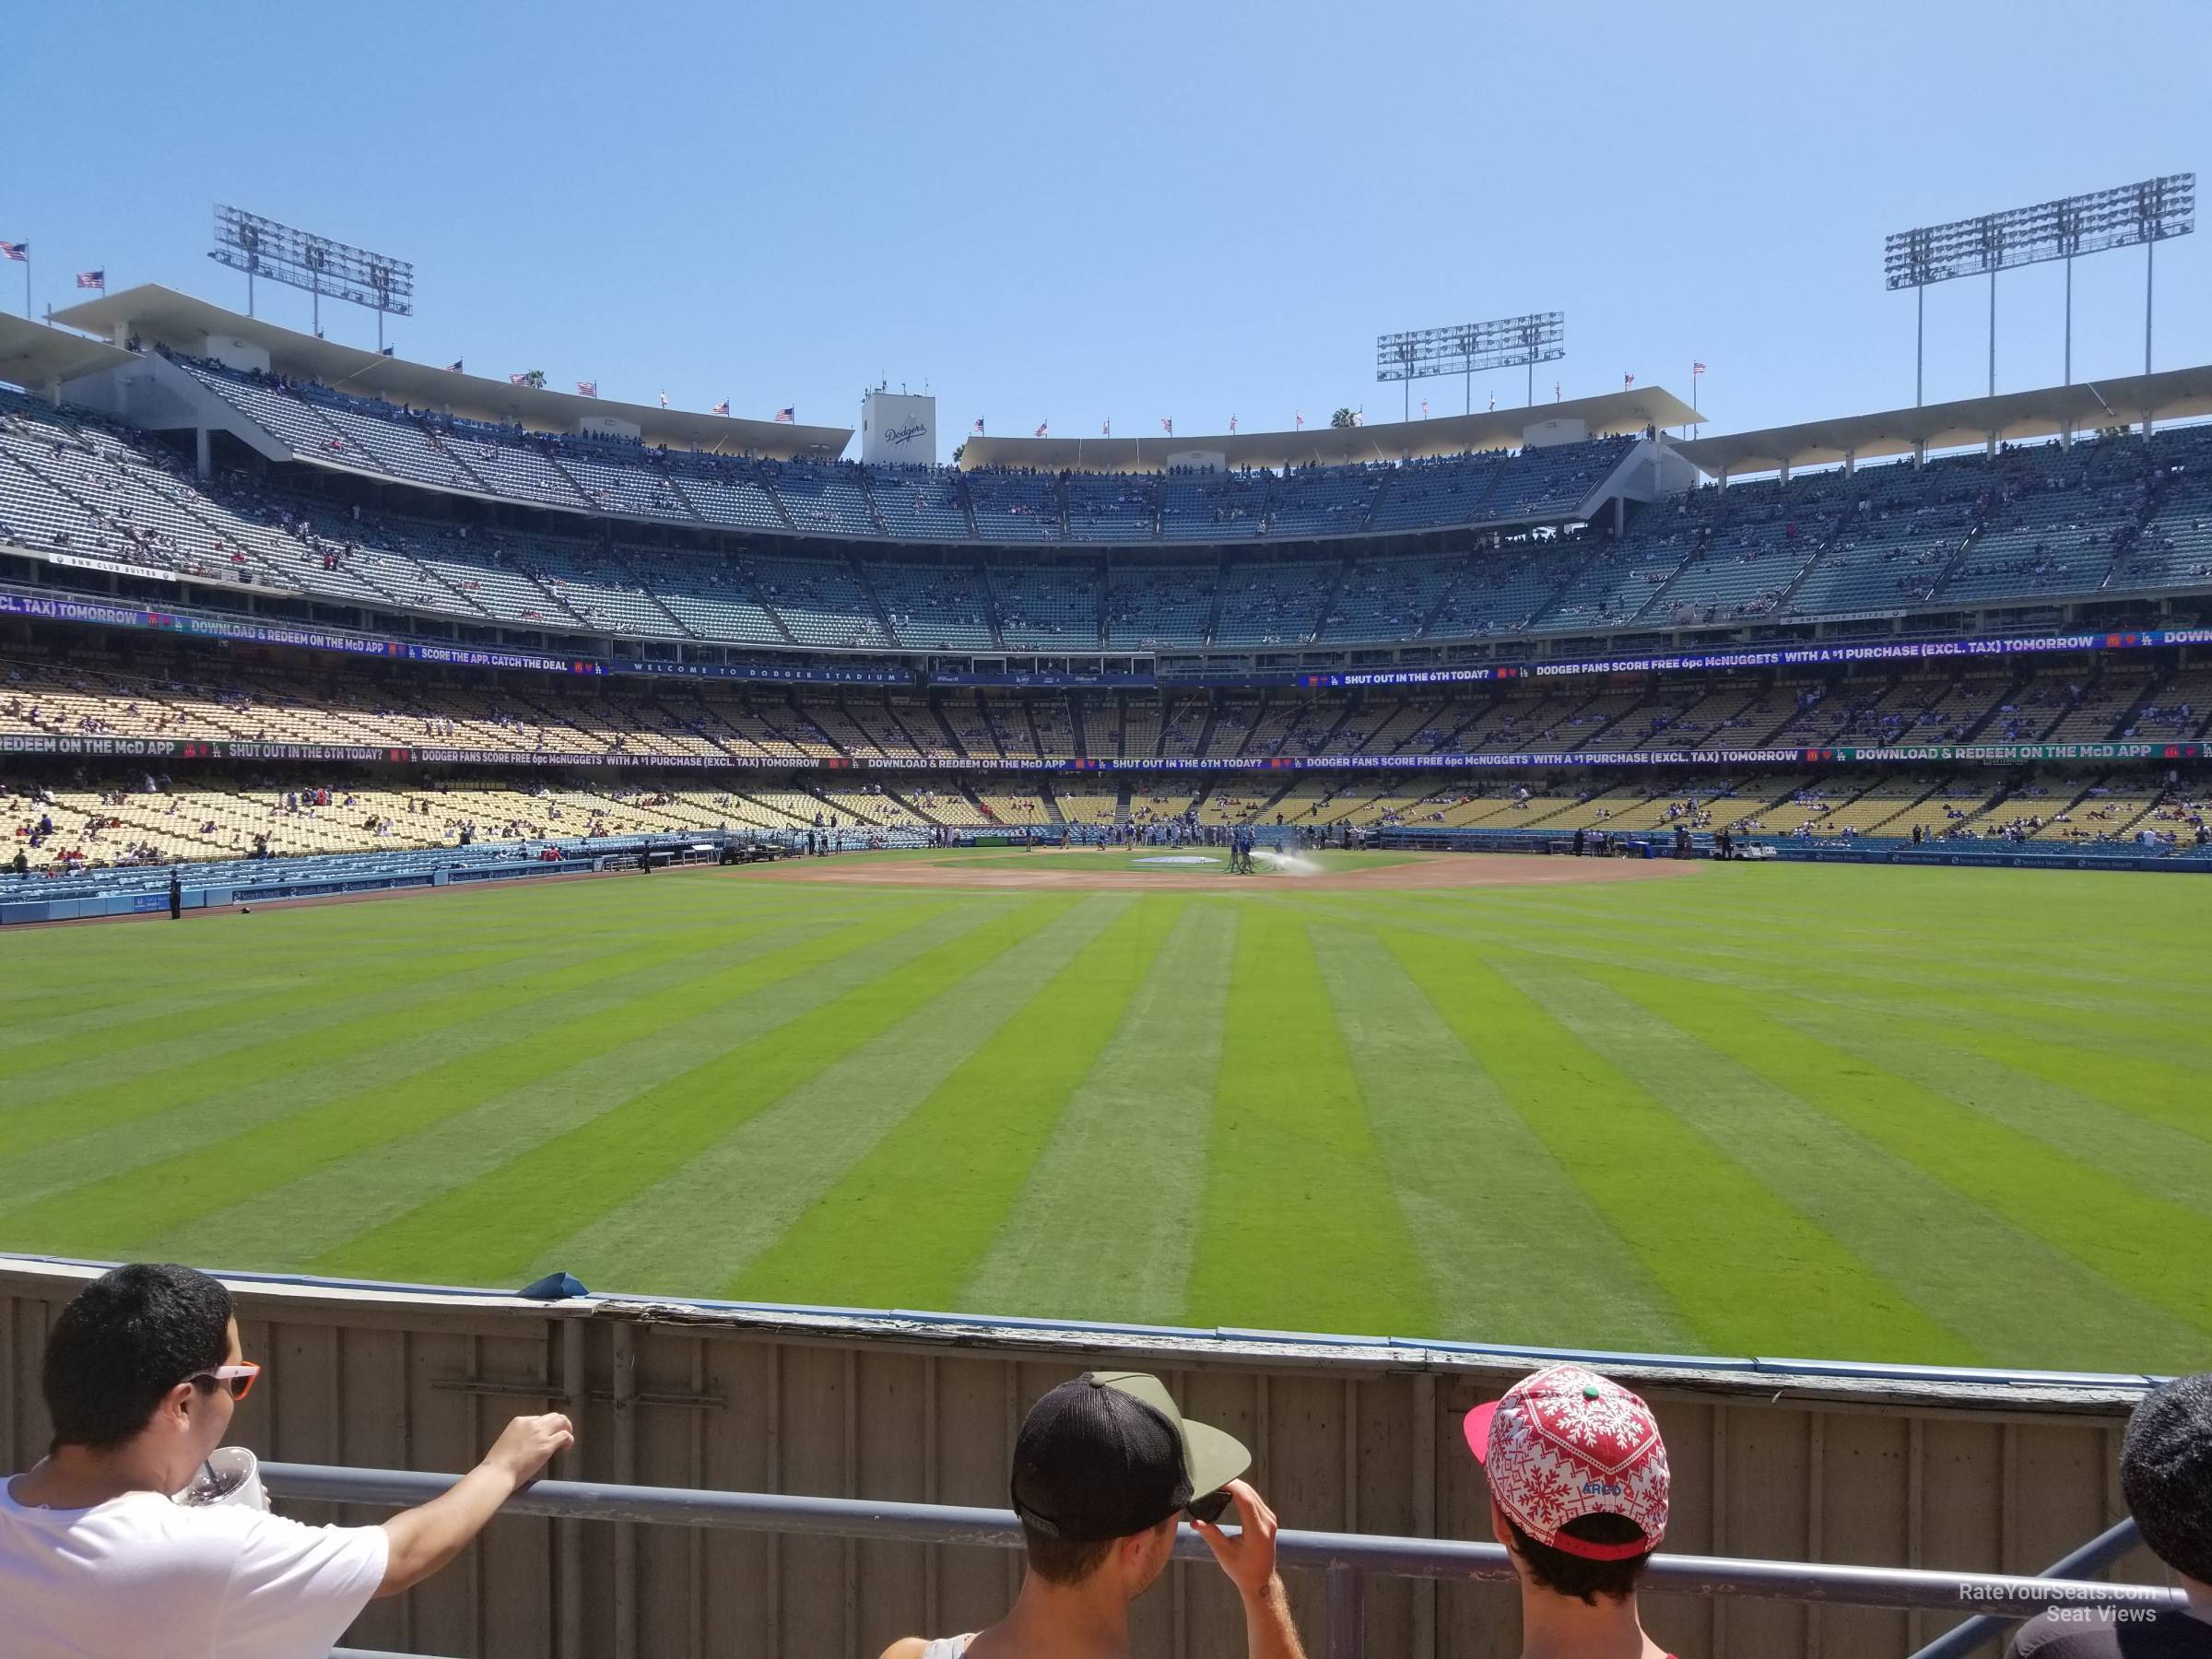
point(1337, 446)
point(2169, 394)
point(162, 316)
point(36, 356)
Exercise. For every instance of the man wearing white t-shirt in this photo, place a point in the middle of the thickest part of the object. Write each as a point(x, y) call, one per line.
point(143, 1371)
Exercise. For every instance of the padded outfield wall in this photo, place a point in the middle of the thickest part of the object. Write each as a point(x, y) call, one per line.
point(1771, 1458)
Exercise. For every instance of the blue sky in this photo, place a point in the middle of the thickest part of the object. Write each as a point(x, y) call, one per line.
point(1074, 213)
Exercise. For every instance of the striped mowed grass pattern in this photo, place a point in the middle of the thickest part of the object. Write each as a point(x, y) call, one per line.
point(1921, 1115)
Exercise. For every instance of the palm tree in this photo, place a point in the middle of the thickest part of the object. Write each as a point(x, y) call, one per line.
point(1344, 417)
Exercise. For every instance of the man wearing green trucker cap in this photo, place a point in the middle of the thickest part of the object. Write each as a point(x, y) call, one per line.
point(1103, 1467)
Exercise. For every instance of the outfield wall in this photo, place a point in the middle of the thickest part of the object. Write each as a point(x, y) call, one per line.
point(1992, 853)
point(1890, 1467)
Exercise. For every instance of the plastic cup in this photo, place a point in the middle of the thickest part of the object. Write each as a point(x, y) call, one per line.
point(231, 1475)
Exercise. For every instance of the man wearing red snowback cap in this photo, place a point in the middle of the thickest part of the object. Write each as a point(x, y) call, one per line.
point(1578, 1497)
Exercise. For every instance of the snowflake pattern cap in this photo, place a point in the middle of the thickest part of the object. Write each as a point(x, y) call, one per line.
point(1565, 1442)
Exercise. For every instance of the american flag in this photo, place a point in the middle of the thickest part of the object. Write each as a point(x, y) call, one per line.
point(1301, 421)
point(786, 413)
point(1627, 381)
point(664, 400)
point(1106, 429)
point(588, 388)
point(15, 250)
point(1041, 426)
point(1424, 408)
point(1697, 368)
point(721, 408)
point(1232, 423)
point(1167, 425)
point(93, 279)
point(978, 426)
point(453, 366)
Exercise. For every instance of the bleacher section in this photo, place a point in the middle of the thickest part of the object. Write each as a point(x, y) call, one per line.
point(1324, 501)
point(919, 503)
point(1432, 492)
point(933, 607)
point(1212, 507)
point(66, 820)
point(829, 499)
point(187, 696)
point(2036, 523)
point(1274, 604)
point(1014, 506)
point(1048, 608)
point(1544, 483)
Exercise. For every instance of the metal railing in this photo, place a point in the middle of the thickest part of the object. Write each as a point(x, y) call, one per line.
point(1345, 1560)
point(2095, 1556)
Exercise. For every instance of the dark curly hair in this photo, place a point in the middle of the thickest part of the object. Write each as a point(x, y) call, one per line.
point(123, 1341)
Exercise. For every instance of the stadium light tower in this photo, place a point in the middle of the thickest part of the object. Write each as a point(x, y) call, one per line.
point(1507, 343)
point(2147, 213)
point(260, 247)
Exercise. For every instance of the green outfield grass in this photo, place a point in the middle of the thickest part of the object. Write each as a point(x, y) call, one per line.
point(1937, 1115)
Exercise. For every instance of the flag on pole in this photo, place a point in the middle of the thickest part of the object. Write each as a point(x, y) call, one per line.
point(1168, 424)
point(785, 414)
point(664, 400)
point(588, 388)
point(1232, 423)
point(19, 252)
point(1627, 381)
point(1106, 428)
point(453, 366)
point(978, 426)
point(93, 279)
point(1301, 421)
point(721, 408)
point(1493, 402)
point(518, 379)
point(1697, 368)
point(1041, 426)
point(1555, 391)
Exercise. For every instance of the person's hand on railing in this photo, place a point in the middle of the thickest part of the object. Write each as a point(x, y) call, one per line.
point(1249, 1560)
point(422, 1540)
point(528, 1443)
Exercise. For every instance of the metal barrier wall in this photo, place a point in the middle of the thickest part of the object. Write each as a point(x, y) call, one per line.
point(1789, 1462)
point(1347, 1561)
